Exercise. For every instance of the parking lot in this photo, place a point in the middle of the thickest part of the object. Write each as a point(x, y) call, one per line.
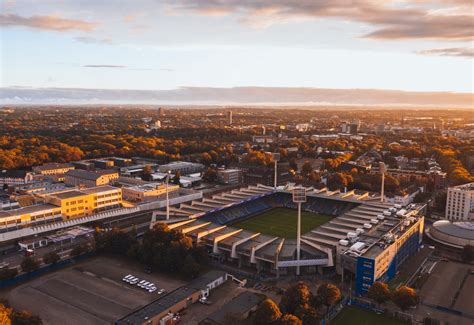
point(91, 292)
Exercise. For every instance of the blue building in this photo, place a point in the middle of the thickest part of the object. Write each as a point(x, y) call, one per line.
point(376, 252)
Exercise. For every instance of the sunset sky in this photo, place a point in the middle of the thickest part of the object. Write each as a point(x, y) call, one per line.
point(411, 45)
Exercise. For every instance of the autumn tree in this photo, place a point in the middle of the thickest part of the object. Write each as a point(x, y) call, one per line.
point(328, 294)
point(51, 258)
point(405, 297)
point(289, 319)
point(267, 313)
point(380, 292)
point(295, 297)
point(29, 264)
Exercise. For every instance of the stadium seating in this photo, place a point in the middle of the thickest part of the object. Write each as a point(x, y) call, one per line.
point(247, 209)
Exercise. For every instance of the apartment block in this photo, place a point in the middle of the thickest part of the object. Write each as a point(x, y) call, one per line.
point(460, 203)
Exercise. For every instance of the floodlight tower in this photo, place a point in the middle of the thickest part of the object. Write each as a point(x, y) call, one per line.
point(299, 196)
point(167, 195)
point(383, 170)
point(276, 159)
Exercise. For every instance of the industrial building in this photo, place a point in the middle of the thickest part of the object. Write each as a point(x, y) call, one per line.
point(53, 169)
point(85, 178)
point(183, 167)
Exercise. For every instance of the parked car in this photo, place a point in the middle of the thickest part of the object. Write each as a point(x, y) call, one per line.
point(161, 291)
point(134, 281)
point(127, 278)
point(152, 289)
point(144, 284)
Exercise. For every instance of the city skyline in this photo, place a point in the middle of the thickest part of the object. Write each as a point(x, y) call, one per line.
point(412, 45)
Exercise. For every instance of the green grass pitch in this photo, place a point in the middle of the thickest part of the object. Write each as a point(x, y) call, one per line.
point(357, 316)
point(281, 222)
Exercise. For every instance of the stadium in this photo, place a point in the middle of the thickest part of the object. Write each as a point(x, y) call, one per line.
point(452, 234)
point(254, 228)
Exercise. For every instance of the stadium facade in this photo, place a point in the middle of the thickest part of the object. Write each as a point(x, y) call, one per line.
point(366, 239)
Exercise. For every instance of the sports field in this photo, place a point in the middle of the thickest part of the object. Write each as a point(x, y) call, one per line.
point(281, 222)
point(357, 316)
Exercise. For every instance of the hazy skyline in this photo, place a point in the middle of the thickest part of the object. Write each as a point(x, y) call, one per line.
point(409, 45)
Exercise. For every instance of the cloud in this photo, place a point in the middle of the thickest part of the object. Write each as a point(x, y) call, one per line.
point(239, 96)
point(51, 22)
point(112, 66)
point(393, 20)
point(456, 51)
point(93, 40)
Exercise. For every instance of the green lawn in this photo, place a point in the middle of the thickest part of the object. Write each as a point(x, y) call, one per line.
point(357, 316)
point(281, 222)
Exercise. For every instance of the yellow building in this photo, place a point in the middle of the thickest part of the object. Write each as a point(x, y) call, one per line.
point(88, 178)
point(29, 216)
point(62, 206)
point(53, 169)
point(80, 203)
point(139, 193)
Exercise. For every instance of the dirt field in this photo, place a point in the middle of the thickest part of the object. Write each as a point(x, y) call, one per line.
point(89, 293)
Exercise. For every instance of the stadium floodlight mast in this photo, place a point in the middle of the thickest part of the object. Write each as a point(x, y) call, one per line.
point(383, 170)
point(167, 196)
point(153, 216)
point(299, 196)
point(276, 159)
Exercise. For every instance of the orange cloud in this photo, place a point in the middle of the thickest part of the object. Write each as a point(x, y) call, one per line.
point(51, 22)
point(391, 21)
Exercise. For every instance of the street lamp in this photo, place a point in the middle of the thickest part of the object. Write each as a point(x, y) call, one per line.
point(299, 196)
point(383, 170)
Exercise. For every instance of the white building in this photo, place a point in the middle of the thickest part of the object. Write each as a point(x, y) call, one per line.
point(460, 203)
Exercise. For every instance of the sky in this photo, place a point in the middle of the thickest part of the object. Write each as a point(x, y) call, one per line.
point(408, 45)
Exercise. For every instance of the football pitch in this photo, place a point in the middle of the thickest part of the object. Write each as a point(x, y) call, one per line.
point(281, 222)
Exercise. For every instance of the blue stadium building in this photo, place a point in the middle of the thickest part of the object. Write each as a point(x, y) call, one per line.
point(376, 251)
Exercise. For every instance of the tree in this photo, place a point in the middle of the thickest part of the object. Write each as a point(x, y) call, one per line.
point(306, 169)
point(5, 314)
point(176, 177)
point(51, 258)
point(467, 253)
point(289, 319)
point(405, 297)
point(380, 292)
point(328, 294)
point(190, 267)
point(25, 317)
point(8, 273)
point(147, 171)
point(78, 250)
point(266, 313)
point(309, 316)
point(295, 297)
point(29, 264)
